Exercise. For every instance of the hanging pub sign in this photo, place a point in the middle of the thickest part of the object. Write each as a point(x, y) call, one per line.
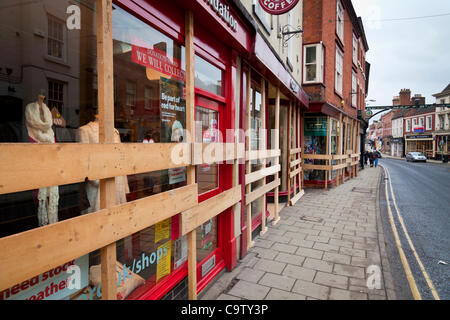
point(277, 7)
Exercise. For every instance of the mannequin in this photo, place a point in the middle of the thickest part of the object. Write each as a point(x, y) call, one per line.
point(39, 126)
point(89, 133)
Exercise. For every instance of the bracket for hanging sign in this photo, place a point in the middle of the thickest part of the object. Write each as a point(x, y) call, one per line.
point(288, 33)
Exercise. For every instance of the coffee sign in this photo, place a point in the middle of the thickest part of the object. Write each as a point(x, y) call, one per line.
point(277, 7)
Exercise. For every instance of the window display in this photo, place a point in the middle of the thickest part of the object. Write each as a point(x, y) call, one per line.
point(315, 139)
point(45, 100)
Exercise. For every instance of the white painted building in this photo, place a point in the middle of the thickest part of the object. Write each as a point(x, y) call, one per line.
point(442, 123)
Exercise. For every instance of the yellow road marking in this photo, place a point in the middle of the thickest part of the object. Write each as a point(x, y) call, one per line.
point(424, 272)
point(409, 275)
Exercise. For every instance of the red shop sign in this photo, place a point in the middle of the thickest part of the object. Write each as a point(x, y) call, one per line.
point(159, 61)
point(277, 7)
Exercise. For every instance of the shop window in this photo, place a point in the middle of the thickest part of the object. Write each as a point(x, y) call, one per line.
point(150, 108)
point(44, 102)
point(408, 125)
point(56, 37)
point(208, 77)
point(315, 140)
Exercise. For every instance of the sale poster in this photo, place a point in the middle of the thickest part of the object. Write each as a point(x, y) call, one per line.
point(162, 230)
point(163, 266)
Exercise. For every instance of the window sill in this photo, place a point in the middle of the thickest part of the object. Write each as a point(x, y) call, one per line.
point(56, 60)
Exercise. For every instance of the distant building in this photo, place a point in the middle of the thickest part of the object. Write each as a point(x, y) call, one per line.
point(418, 127)
point(442, 126)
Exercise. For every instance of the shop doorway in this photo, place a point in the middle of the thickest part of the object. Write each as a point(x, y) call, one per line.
point(209, 177)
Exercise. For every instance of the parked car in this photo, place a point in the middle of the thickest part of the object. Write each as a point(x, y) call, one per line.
point(416, 156)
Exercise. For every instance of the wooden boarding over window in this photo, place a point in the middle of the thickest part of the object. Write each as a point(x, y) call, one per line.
point(252, 196)
point(33, 252)
point(216, 152)
point(257, 175)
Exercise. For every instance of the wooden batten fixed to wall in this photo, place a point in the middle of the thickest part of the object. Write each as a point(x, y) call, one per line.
point(208, 209)
point(190, 127)
point(216, 152)
point(277, 159)
point(55, 164)
point(106, 134)
point(33, 252)
point(248, 159)
point(263, 146)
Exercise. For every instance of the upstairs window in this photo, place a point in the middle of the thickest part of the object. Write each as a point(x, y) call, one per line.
point(354, 90)
point(355, 50)
point(339, 71)
point(313, 63)
point(55, 38)
point(340, 21)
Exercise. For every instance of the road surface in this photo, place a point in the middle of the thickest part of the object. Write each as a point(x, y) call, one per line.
point(422, 197)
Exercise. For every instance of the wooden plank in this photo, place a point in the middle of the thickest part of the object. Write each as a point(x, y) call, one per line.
point(307, 166)
point(295, 172)
point(295, 151)
point(297, 197)
point(339, 157)
point(190, 127)
point(252, 196)
point(326, 152)
point(296, 162)
point(339, 166)
point(216, 152)
point(106, 135)
point(261, 154)
point(27, 254)
point(277, 159)
point(208, 209)
point(289, 152)
point(263, 147)
point(262, 173)
point(65, 163)
point(248, 166)
point(317, 156)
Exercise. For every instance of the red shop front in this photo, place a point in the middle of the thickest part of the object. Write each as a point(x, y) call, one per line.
point(149, 67)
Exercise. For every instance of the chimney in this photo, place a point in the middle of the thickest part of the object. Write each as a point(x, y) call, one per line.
point(396, 101)
point(405, 97)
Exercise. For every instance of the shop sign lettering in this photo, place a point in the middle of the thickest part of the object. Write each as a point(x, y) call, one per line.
point(223, 11)
point(55, 284)
point(159, 61)
point(277, 7)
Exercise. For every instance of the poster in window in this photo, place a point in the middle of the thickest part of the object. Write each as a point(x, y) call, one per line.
point(163, 266)
point(162, 230)
point(180, 249)
point(173, 119)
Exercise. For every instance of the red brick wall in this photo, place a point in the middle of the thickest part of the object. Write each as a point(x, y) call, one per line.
point(319, 24)
point(386, 120)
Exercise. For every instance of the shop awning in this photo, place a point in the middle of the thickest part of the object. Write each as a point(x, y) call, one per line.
point(328, 109)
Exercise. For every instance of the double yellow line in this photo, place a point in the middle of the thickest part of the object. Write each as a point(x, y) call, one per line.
point(409, 275)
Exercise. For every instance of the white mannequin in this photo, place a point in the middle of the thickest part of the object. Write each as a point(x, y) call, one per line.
point(39, 125)
point(89, 133)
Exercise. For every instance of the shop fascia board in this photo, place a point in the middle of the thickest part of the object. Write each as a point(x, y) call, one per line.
point(328, 109)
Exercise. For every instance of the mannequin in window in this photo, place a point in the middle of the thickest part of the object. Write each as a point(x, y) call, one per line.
point(89, 133)
point(39, 126)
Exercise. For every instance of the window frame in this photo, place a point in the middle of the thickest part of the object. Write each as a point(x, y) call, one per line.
point(355, 91)
point(54, 19)
point(408, 125)
point(319, 63)
point(339, 70)
point(340, 20)
point(355, 50)
point(429, 119)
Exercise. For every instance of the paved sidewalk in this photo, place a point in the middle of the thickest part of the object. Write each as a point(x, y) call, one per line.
point(320, 249)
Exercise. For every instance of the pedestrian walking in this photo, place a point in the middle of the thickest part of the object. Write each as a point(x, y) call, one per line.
point(366, 157)
point(377, 155)
point(371, 158)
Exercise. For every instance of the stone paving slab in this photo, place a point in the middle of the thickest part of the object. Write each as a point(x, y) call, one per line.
point(305, 258)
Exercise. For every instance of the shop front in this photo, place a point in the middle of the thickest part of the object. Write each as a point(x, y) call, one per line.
point(331, 146)
point(423, 143)
point(397, 147)
point(441, 139)
point(120, 151)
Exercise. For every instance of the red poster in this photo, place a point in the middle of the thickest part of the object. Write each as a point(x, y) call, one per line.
point(175, 224)
point(159, 61)
point(277, 7)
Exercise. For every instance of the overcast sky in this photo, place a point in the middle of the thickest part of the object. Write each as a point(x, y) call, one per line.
point(409, 53)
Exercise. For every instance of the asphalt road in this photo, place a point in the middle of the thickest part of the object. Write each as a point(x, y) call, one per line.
point(422, 192)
